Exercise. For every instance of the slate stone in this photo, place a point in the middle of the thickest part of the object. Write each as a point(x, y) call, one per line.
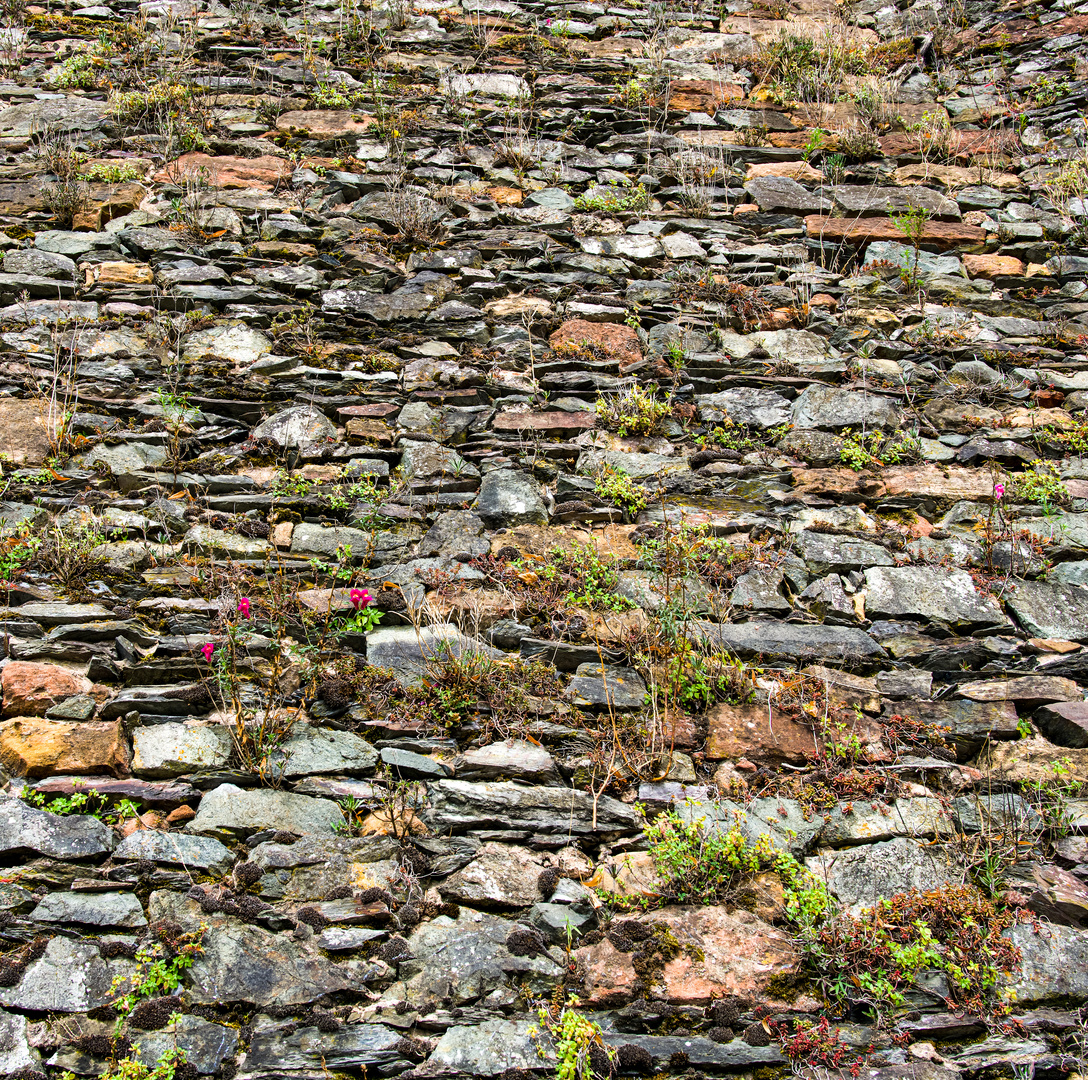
point(508, 498)
point(233, 810)
point(490, 1048)
point(311, 751)
point(110, 909)
point(175, 849)
point(1053, 964)
point(313, 866)
point(166, 750)
point(463, 960)
point(247, 964)
point(295, 427)
point(1050, 611)
point(792, 641)
point(781, 193)
point(511, 759)
point(460, 806)
point(75, 836)
point(371, 1048)
point(745, 405)
point(408, 765)
point(930, 593)
point(16, 1053)
point(206, 1045)
point(1064, 722)
point(410, 653)
point(71, 977)
point(607, 685)
point(833, 409)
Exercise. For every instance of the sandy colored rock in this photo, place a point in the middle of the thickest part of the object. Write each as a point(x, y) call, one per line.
point(30, 689)
point(801, 171)
point(24, 435)
point(264, 173)
point(35, 748)
point(119, 273)
point(992, 266)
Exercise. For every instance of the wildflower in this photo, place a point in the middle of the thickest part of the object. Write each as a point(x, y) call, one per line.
point(243, 607)
point(208, 649)
point(360, 598)
point(999, 491)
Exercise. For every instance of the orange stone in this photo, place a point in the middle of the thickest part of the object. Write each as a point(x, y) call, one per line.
point(992, 266)
point(35, 748)
point(30, 689)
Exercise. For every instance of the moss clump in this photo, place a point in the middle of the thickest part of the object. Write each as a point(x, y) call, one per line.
point(755, 1034)
point(786, 986)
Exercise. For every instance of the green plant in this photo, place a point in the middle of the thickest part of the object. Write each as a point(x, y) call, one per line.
point(111, 173)
point(796, 67)
point(67, 551)
point(129, 1068)
point(911, 222)
point(573, 1037)
point(162, 964)
point(814, 144)
point(877, 449)
point(595, 583)
point(1048, 91)
point(1051, 796)
point(1042, 485)
point(284, 485)
point(613, 200)
point(88, 802)
point(16, 551)
point(634, 411)
point(615, 485)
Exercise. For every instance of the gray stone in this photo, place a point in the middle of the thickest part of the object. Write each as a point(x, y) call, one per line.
point(490, 1048)
point(408, 765)
point(205, 540)
point(464, 960)
point(511, 759)
point(792, 641)
point(902, 255)
point(76, 836)
point(860, 877)
point(63, 115)
point(509, 497)
point(206, 1045)
point(47, 264)
point(866, 823)
point(71, 977)
point(310, 751)
point(410, 654)
point(867, 201)
point(825, 553)
point(460, 806)
point(237, 343)
point(366, 1049)
point(832, 408)
point(165, 750)
point(747, 405)
point(243, 963)
point(1064, 722)
point(783, 822)
point(782, 193)
point(313, 866)
point(700, 1053)
point(607, 685)
point(1050, 611)
point(91, 909)
point(297, 426)
point(16, 1053)
point(126, 457)
point(429, 465)
point(308, 539)
point(175, 849)
point(1053, 963)
point(1006, 813)
point(455, 532)
point(500, 876)
point(234, 810)
point(929, 593)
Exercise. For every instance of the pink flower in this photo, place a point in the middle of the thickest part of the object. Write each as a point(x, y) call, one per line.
point(243, 607)
point(999, 491)
point(360, 598)
point(208, 649)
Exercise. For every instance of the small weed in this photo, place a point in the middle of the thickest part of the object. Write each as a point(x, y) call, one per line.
point(615, 485)
point(635, 411)
point(877, 449)
point(1041, 485)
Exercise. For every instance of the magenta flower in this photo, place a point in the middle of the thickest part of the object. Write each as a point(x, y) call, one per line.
point(999, 491)
point(360, 598)
point(208, 649)
point(243, 607)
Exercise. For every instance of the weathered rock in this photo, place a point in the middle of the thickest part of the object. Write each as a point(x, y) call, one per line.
point(166, 750)
point(232, 810)
point(1050, 611)
point(294, 427)
point(109, 909)
point(461, 806)
point(70, 977)
point(410, 653)
point(307, 1051)
point(175, 849)
point(244, 963)
point(1064, 722)
point(509, 497)
point(755, 733)
point(206, 1045)
point(30, 689)
point(36, 748)
point(1053, 964)
point(918, 591)
point(313, 867)
point(24, 829)
point(500, 876)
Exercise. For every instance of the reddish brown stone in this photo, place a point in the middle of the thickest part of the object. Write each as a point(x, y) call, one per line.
point(33, 747)
point(180, 816)
point(938, 483)
point(377, 411)
point(1048, 399)
point(748, 731)
point(722, 952)
point(992, 266)
point(255, 174)
point(937, 235)
point(702, 95)
point(30, 689)
point(162, 793)
point(365, 430)
point(616, 341)
point(547, 423)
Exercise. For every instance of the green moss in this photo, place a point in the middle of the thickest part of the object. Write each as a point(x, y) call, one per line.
point(786, 986)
